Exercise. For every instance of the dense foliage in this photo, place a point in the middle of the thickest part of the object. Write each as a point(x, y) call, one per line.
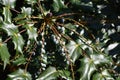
point(59, 39)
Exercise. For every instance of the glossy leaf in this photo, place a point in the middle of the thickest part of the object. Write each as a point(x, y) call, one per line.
point(87, 68)
point(49, 74)
point(31, 31)
point(99, 59)
point(8, 3)
point(88, 65)
point(18, 42)
point(19, 75)
point(11, 29)
point(75, 50)
point(7, 15)
point(26, 11)
point(104, 75)
point(4, 54)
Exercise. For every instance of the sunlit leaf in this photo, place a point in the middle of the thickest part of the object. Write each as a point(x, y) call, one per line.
point(18, 42)
point(8, 3)
point(49, 74)
point(89, 64)
point(31, 31)
point(87, 68)
point(7, 14)
point(19, 75)
point(10, 29)
point(26, 11)
point(4, 54)
point(75, 50)
point(100, 59)
point(1, 19)
point(104, 75)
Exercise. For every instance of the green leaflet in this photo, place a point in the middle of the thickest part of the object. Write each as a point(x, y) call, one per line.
point(18, 42)
point(19, 75)
point(9, 3)
point(7, 14)
point(75, 1)
point(65, 74)
point(19, 60)
point(49, 74)
point(4, 54)
point(58, 4)
point(104, 75)
point(31, 31)
point(26, 11)
point(90, 65)
point(87, 68)
point(75, 50)
point(12, 31)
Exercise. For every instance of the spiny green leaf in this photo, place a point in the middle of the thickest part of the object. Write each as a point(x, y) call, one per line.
point(49, 74)
point(26, 11)
point(8, 3)
point(89, 64)
point(4, 54)
point(87, 68)
point(65, 74)
point(7, 15)
point(31, 31)
point(20, 60)
point(104, 75)
point(100, 59)
point(58, 4)
point(18, 42)
point(19, 75)
point(74, 50)
point(10, 29)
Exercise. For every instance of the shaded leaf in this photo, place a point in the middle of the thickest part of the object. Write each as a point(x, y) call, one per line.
point(88, 65)
point(49, 74)
point(65, 74)
point(19, 75)
point(20, 60)
point(75, 1)
point(4, 54)
point(58, 4)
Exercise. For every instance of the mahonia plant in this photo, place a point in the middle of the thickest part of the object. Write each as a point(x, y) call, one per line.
point(52, 40)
